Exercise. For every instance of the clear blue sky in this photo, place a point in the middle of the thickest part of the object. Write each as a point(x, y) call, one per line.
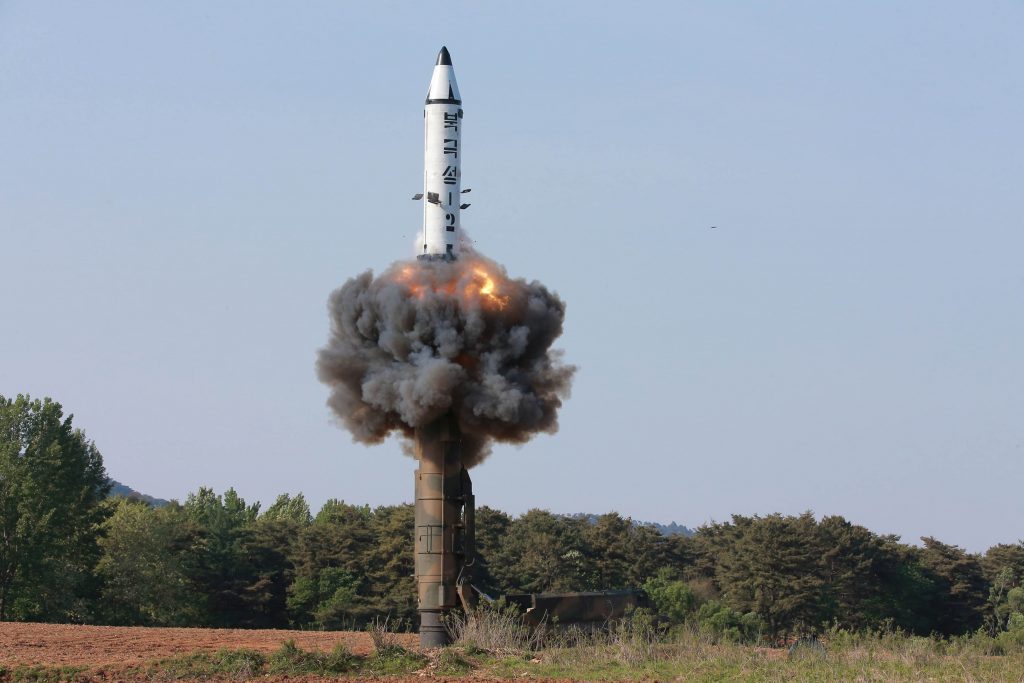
point(183, 183)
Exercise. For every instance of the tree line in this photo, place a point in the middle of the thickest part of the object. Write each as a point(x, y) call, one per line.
point(69, 553)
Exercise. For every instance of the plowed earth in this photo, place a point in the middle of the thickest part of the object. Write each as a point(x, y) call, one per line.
point(67, 645)
point(108, 654)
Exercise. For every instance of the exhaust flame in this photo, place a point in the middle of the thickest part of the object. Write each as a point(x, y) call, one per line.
point(480, 287)
point(427, 338)
point(487, 289)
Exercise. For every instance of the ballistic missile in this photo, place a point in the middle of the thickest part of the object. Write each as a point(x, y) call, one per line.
point(442, 165)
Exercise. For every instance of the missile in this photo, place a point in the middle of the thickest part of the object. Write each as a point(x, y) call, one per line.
point(442, 165)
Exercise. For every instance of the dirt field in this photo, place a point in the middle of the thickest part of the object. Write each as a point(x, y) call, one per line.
point(64, 645)
point(116, 654)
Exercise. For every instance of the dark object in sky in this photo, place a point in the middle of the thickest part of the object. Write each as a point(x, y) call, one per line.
point(713, 227)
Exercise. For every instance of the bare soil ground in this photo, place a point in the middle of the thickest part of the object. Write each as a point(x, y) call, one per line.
point(69, 645)
point(116, 654)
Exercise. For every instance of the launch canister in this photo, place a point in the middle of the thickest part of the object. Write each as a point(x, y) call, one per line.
point(442, 168)
point(445, 535)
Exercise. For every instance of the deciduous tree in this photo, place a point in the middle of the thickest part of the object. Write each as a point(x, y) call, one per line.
point(52, 486)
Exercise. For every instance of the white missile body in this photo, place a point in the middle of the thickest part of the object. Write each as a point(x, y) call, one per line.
point(442, 168)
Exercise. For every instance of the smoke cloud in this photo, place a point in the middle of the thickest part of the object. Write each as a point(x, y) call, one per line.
point(426, 338)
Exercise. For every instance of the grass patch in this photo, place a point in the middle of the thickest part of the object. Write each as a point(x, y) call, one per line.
point(450, 662)
point(394, 661)
point(292, 660)
point(389, 656)
point(42, 674)
point(384, 634)
point(641, 649)
point(288, 660)
point(233, 664)
point(694, 660)
point(496, 628)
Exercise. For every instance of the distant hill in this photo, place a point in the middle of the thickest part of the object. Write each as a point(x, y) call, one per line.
point(119, 490)
point(670, 529)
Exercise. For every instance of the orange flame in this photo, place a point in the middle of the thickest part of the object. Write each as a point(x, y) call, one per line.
point(482, 286)
point(417, 289)
point(487, 288)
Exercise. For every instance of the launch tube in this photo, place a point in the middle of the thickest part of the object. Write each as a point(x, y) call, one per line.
point(443, 528)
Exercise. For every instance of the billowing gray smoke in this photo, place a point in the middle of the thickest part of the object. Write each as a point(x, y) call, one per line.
point(426, 338)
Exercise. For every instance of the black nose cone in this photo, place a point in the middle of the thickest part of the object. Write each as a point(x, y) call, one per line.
point(443, 58)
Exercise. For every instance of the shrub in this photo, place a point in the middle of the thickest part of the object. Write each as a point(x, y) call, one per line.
point(384, 634)
point(672, 598)
point(290, 659)
point(1012, 639)
point(494, 627)
point(721, 622)
point(241, 664)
